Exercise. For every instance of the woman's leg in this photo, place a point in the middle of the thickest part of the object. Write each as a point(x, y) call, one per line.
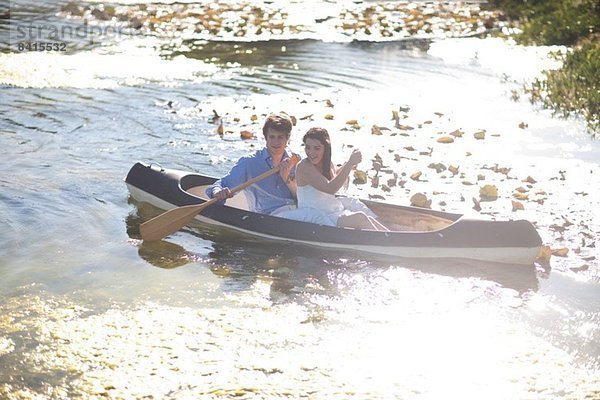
point(379, 225)
point(359, 220)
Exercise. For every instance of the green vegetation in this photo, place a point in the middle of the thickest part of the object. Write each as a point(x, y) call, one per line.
point(575, 88)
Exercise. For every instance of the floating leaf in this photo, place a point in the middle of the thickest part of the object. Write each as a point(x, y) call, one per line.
point(520, 196)
point(375, 130)
point(480, 177)
point(221, 129)
point(439, 167)
point(445, 139)
point(562, 252)
point(395, 115)
point(351, 122)
point(253, 117)
point(420, 200)
point(385, 188)
point(360, 177)
point(523, 125)
point(488, 193)
point(404, 127)
point(392, 181)
point(416, 176)
point(328, 116)
point(246, 135)
point(521, 189)
point(453, 169)
point(479, 135)
point(375, 181)
point(328, 103)
point(529, 179)
point(517, 205)
point(476, 204)
point(294, 120)
point(456, 133)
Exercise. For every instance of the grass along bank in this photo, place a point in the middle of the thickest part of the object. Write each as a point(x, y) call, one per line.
point(575, 87)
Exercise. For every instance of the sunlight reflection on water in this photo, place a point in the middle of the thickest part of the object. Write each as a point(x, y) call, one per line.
point(86, 310)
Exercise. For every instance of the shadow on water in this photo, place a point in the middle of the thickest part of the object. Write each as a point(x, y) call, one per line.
point(242, 259)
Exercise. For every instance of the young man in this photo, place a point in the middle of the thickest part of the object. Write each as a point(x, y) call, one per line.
point(275, 194)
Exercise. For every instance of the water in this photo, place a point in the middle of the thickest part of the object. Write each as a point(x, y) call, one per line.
point(87, 310)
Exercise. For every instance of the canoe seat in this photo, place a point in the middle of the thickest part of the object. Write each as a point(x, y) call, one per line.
point(237, 201)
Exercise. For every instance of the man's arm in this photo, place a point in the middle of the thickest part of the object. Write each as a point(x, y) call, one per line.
point(236, 176)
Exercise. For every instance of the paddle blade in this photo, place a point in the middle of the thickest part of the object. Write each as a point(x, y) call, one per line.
point(169, 222)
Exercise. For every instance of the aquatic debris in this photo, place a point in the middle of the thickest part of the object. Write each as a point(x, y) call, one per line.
point(246, 135)
point(445, 139)
point(360, 177)
point(479, 135)
point(517, 205)
point(521, 196)
point(416, 176)
point(393, 181)
point(420, 200)
point(562, 252)
point(457, 133)
point(439, 167)
point(488, 193)
point(375, 181)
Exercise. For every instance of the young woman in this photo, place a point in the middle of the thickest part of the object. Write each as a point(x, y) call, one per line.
point(317, 182)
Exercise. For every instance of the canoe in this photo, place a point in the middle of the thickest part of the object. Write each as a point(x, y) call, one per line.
point(416, 232)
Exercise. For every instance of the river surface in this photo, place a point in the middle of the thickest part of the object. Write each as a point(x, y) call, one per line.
point(89, 311)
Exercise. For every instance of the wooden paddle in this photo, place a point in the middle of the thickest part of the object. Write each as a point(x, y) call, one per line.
point(176, 218)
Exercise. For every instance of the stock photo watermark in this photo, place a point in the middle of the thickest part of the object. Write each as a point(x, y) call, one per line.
point(43, 36)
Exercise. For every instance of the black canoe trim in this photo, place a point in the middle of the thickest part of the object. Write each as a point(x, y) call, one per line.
point(171, 185)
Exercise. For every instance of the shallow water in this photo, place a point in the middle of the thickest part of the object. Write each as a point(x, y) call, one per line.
point(88, 310)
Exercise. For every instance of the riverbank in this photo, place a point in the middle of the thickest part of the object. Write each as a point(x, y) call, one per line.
point(573, 89)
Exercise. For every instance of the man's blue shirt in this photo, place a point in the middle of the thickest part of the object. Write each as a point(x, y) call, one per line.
point(264, 196)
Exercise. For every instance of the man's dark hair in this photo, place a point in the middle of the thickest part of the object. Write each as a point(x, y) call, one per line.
point(278, 122)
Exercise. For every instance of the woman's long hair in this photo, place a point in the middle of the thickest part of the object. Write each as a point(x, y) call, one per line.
point(322, 136)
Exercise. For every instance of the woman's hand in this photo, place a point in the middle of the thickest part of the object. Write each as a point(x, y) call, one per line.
point(355, 158)
point(286, 167)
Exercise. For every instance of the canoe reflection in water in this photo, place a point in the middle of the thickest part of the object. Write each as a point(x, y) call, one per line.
point(240, 260)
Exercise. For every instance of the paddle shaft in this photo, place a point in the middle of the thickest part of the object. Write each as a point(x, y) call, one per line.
point(173, 220)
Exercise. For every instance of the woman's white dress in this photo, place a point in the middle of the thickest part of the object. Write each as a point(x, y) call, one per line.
point(323, 208)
